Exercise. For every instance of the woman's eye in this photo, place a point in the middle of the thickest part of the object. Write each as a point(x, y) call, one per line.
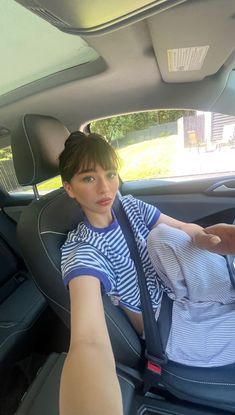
point(88, 179)
point(112, 174)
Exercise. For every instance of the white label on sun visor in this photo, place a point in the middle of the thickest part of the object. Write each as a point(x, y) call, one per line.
point(186, 59)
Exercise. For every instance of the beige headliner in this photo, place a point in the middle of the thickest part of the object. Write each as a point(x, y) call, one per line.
point(133, 73)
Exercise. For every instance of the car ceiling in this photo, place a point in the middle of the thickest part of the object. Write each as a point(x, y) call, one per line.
point(132, 73)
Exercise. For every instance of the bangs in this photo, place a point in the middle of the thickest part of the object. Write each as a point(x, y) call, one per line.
point(83, 152)
point(90, 157)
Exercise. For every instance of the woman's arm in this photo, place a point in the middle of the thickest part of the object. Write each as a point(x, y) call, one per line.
point(89, 384)
point(218, 238)
point(192, 229)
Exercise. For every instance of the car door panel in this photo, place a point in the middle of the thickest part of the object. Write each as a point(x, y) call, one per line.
point(192, 201)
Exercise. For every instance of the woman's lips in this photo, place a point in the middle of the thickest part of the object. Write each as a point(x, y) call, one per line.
point(104, 202)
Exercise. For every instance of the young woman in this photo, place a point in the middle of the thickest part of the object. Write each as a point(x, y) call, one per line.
point(95, 259)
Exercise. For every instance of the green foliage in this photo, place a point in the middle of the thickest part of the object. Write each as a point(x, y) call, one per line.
point(118, 127)
point(5, 153)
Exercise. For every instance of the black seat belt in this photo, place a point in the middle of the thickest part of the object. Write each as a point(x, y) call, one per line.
point(154, 347)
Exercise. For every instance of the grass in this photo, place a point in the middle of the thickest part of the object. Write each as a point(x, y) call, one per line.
point(144, 160)
point(148, 159)
point(51, 184)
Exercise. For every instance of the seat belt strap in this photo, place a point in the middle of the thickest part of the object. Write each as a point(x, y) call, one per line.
point(154, 348)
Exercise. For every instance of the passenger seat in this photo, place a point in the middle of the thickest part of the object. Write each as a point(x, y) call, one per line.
point(21, 303)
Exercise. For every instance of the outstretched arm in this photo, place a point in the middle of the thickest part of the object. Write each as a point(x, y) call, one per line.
point(89, 384)
point(218, 238)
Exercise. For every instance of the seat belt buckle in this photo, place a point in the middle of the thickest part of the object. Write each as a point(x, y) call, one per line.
point(156, 361)
point(152, 375)
point(154, 367)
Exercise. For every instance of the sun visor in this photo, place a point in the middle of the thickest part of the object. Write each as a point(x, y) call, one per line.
point(190, 44)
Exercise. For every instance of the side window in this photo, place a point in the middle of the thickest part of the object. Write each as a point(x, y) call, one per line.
point(8, 180)
point(174, 144)
point(49, 185)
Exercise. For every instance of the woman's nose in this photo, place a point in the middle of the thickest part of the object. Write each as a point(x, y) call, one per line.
point(103, 185)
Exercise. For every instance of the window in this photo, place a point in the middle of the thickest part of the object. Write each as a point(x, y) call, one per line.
point(32, 48)
point(49, 185)
point(171, 143)
point(8, 180)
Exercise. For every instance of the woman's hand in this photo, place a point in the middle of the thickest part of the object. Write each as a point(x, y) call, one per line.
point(218, 238)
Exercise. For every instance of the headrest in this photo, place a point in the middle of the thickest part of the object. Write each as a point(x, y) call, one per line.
point(36, 145)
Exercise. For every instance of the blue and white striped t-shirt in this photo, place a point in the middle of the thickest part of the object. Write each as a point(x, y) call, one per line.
point(103, 253)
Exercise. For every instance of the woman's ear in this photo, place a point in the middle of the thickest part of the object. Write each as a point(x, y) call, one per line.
point(68, 189)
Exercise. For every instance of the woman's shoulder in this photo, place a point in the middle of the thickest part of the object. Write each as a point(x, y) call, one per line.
point(80, 234)
point(131, 203)
point(127, 200)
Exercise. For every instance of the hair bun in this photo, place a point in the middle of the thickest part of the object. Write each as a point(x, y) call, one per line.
point(73, 137)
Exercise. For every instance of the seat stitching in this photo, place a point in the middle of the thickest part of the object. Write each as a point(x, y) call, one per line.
point(51, 299)
point(122, 334)
point(18, 331)
point(56, 233)
point(198, 381)
point(126, 380)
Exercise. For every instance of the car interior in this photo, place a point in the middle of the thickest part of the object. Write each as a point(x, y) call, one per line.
point(157, 78)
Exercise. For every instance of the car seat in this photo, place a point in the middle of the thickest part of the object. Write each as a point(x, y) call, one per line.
point(21, 303)
point(44, 224)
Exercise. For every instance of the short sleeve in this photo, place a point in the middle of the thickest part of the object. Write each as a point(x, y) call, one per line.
point(149, 212)
point(85, 260)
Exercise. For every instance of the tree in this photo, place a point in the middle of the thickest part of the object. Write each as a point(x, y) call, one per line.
point(114, 128)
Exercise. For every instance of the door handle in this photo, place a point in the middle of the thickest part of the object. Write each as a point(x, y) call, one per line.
point(222, 188)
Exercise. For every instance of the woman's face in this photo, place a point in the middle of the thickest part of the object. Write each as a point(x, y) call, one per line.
point(95, 191)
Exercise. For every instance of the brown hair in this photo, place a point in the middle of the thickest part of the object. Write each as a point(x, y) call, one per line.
point(83, 151)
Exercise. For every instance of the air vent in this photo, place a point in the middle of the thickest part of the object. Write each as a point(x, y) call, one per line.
point(50, 17)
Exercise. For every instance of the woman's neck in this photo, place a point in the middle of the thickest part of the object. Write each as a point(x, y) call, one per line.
point(99, 221)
